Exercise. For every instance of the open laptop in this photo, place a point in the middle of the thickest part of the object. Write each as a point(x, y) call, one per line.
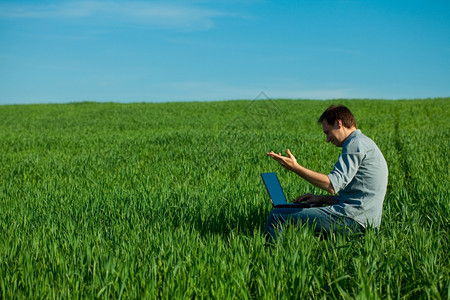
point(276, 193)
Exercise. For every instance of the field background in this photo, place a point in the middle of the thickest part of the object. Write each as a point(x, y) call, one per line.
point(107, 200)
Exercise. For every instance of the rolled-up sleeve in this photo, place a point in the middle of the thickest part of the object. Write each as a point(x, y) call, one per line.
point(344, 170)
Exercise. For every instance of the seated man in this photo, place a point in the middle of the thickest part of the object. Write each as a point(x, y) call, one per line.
point(359, 179)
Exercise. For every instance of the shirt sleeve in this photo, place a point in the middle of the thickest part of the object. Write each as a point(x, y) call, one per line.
point(344, 170)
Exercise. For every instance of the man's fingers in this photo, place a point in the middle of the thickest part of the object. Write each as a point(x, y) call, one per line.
point(273, 154)
point(303, 198)
point(277, 157)
point(283, 160)
point(289, 152)
point(299, 200)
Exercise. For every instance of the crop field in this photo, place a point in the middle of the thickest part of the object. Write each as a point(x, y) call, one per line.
point(165, 200)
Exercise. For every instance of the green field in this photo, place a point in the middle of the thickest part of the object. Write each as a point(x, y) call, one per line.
point(146, 200)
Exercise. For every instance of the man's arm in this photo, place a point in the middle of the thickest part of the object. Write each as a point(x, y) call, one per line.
point(317, 179)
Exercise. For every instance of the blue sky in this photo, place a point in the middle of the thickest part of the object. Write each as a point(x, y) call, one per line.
point(153, 51)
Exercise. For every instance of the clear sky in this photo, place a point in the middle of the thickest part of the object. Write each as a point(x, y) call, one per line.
point(153, 51)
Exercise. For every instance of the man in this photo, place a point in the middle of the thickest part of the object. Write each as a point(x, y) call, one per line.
point(357, 182)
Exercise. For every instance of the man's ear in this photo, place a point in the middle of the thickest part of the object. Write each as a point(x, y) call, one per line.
point(338, 124)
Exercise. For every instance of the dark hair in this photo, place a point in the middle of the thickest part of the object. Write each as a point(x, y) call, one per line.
point(338, 112)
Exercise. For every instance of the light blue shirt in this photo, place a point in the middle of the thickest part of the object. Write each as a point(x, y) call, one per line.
point(360, 178)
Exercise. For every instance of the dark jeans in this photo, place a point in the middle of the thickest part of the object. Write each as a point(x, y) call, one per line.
point(319, 217)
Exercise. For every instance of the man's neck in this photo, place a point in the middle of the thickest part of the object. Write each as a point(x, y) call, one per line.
point(348, 132)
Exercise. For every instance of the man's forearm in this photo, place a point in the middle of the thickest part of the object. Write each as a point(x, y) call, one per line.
point(315, 178)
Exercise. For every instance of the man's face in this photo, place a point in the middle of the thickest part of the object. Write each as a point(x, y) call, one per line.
point(334, 133)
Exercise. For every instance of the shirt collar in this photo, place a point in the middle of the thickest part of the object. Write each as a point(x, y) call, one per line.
point(351, 136)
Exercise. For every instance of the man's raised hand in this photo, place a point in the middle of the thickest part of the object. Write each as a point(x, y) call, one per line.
point(289, 162)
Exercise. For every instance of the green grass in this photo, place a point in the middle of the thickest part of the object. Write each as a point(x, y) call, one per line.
point(165, 200)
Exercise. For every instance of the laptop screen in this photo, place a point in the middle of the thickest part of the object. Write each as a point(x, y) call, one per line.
point(274, 188)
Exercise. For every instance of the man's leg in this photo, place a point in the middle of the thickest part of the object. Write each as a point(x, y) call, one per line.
point(319, 217)
point(277, 218)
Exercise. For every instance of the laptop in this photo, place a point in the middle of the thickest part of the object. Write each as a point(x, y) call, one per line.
point(276, 193)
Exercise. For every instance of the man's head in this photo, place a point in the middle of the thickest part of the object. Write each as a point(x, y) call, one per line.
point(338, 112)
point(337, 123)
